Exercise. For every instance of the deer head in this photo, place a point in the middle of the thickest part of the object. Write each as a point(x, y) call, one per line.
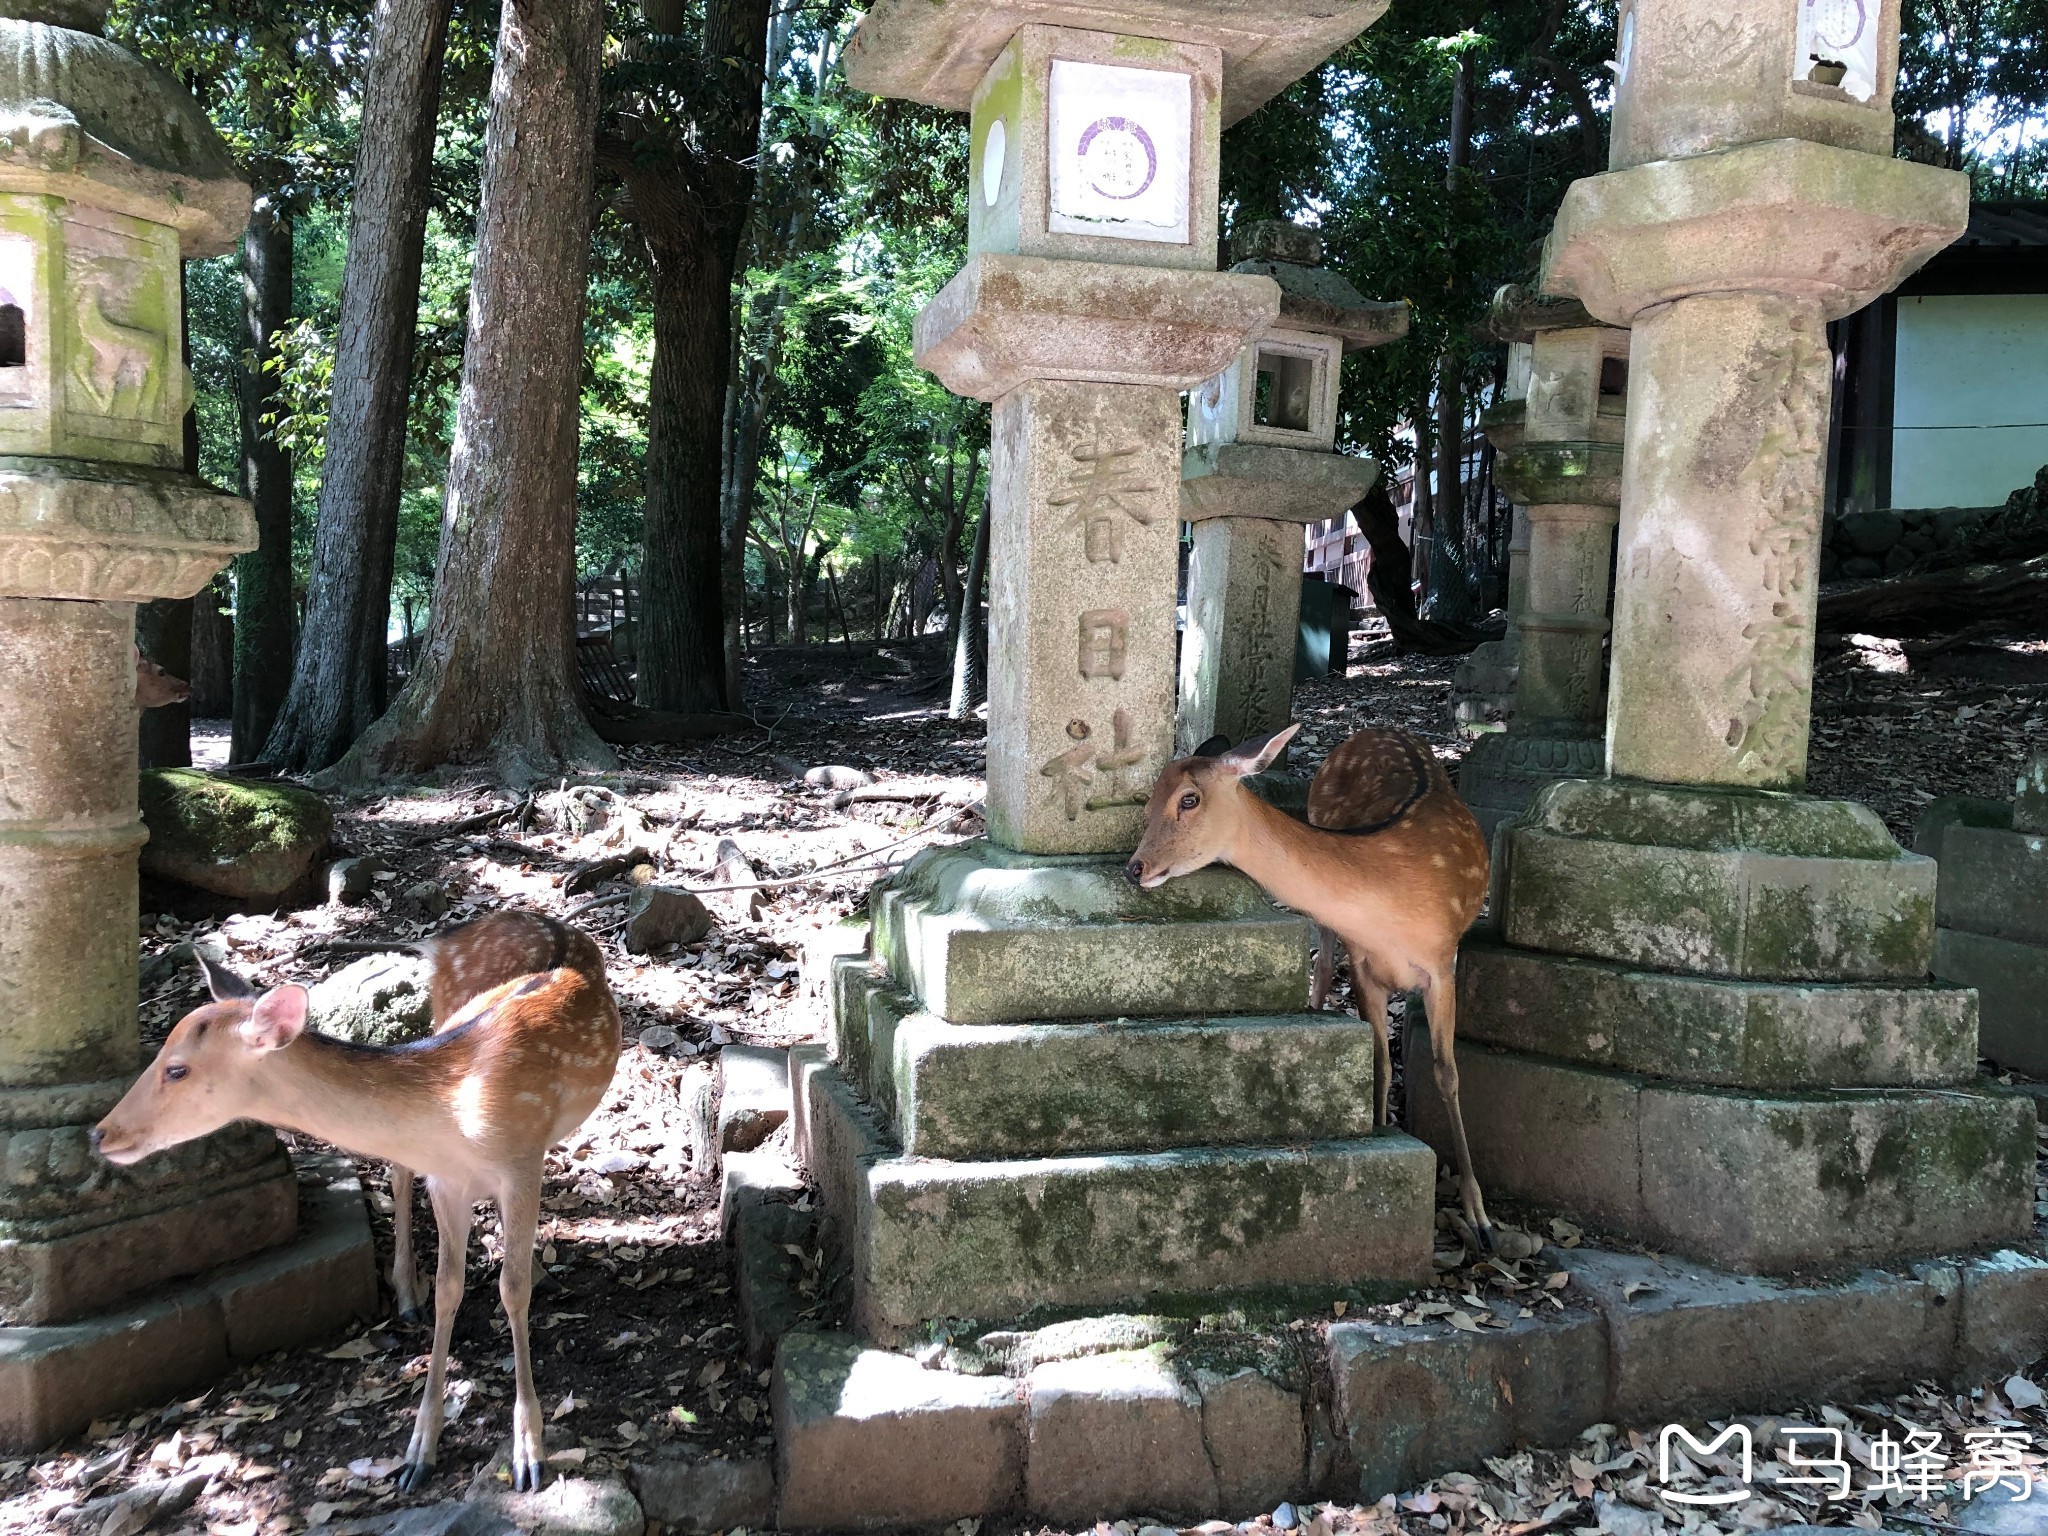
point(1197, 811)
point(154, 687)
point(205, 1075)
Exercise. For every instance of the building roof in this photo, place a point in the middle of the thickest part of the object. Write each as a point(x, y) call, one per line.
point(2007, 224)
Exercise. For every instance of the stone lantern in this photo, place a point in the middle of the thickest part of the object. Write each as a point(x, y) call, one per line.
point(109, 176)
point(1261, 463)
point(1039, 1084)
point(1705, 1019)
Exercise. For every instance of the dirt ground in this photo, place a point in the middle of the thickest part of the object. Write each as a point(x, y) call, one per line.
point(637, 1345)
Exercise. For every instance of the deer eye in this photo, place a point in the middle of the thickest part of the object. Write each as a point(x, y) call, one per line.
point(1189, 801)
point(176, 1072)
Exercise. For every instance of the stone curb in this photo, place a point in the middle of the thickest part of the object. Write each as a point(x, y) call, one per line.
point(55, 1380)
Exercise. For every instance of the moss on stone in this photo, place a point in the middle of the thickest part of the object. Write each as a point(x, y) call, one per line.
point(242, 838)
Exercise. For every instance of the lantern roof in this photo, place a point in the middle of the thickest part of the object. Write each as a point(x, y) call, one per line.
point(936, 51)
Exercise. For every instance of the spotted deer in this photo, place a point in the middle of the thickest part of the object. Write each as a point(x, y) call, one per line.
point(1389, 859)
point(154, 687)
point(527, 1036)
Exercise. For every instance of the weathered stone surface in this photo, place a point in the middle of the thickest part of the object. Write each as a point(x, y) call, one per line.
point(350, 880)
point(1687, 1342)
point(1930, 833)
point(566, 1506)
point(1286, 485)
point(753, 1099)
point(2011, 980)
point(1280, 391)
point(1244, 619)
point(1007, 320)
point(1709, 1030)
point(1505, 770)
point(984, 936)
point(1042, 1090)
point(311, 1285)
point(998, 1240)
point(1415, 1402)
point(1116, 1434)
point(701, 1497)
point(1994, 883)
point(249, 839)
point(657, 917)
point(2004, 1323)
point(753, 1178)
point(1747, 1181)
point(766, 1274)
point(2030, 796)
point(898, 50)
point(379, 1000)
point(865, 1438)
point(1253, 1430)
point(1727, 883)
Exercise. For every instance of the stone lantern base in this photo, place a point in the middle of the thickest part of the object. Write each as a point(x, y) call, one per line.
point(1704, 1021)
point(1049, 1091)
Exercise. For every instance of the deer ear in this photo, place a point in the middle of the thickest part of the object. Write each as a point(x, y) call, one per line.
point(1256, 755)
point(1215, 746)
point(223, 983)
point(278, 1019)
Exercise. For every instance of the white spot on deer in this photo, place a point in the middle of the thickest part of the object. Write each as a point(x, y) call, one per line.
point(469, 1106)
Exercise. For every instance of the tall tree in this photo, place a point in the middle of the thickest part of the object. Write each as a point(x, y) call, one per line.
point(338, 684)
point(684, 143)
point(496, 680)
point(263, 577)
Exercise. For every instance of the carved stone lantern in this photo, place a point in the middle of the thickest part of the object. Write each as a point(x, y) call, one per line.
point(109, 176)
point(1261, 464)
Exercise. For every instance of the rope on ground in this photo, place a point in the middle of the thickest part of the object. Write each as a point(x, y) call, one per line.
point(837, 866)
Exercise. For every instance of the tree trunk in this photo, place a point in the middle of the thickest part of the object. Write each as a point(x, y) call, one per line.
point(970, 645)
point(263, 578)
point(338, 684)
point(692, 213)
point(496, 679)
point(213, 654)
point(1449, 591)
point(1389, 580)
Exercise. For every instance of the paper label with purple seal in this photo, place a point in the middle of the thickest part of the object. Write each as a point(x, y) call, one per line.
point(1120, 151)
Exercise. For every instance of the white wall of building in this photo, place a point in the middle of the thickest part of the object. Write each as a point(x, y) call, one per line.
point(1972, 382)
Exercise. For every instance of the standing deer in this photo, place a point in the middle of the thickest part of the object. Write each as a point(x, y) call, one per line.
point(511, 1070)
point(1389, 860)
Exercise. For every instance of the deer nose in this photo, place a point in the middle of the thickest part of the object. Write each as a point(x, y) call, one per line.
point(96, 1136)
point(1135, 871)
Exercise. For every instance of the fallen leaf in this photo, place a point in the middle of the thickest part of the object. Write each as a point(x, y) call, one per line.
point(354, 1349)
point(2022, 1393)
point(1462, 1321)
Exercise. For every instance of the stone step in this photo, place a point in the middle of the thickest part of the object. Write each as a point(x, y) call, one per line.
point(925, 1239)
point(1045, 1090)
point(2011, 978)
point(1754, 1182)
point(984, 936)
point(1702, 1029)
point(1995, 883)
point(1723, 883)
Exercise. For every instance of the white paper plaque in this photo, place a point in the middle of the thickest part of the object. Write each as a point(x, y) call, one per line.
point(1120, 151)
point(1839, 32)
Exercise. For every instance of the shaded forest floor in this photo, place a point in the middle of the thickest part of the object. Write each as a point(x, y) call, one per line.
point(636, 1337)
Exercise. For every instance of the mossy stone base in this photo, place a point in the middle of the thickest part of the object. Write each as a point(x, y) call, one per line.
point(1995, 883)
point(247, 839)
point(2011, 978)
point(926, 1239)
point(1728, 883)
point(1749, 1034)
point(983, 936)
point(1758, 1183)
point(1505, 770)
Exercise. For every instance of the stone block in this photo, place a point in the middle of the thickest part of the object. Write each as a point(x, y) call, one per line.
point(766, 1274)
point(1043, 1090)
point(1253, 1429)
point(1505, 770)
point(310, 1287)
point(703, 1497)
point(1564, 474)
point(1994, 883)
point(1727, 883)
point(1001, 1240)
point(853, 980)
point(1748, 1181)
point(2030, 793)
point(1414, 1402)
point(1287, 485)
point(1706, 1030)
point(869, 1439)
point(1116, 1434)
point(985, 936)
point(1932, 829)
point(76, 1275)
point(566, 1506)
point(899, 50)
point(1688, 1343)
point(55, 1380)
point(887, 1009)
point(1004, 321)
point(2011, 981)
point(753, 1100)
point(1244, 620)
point(751, 1179)
point(2004, 1322)
point(1281, 392)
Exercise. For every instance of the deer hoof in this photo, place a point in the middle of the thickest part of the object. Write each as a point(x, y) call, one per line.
point(413, 1476)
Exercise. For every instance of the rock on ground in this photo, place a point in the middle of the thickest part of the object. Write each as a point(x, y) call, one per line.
point(251, 841)
point(381, 1000)
point(657, 917)
point(705, 1496)
point(567, 1506)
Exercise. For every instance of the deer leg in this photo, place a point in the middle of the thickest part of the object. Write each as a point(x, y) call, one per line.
point(1439, 996)
point(1372, 1007)
point(405, 1273)
point(1325, 973)
point(453, 1213)
point(519, 1210)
